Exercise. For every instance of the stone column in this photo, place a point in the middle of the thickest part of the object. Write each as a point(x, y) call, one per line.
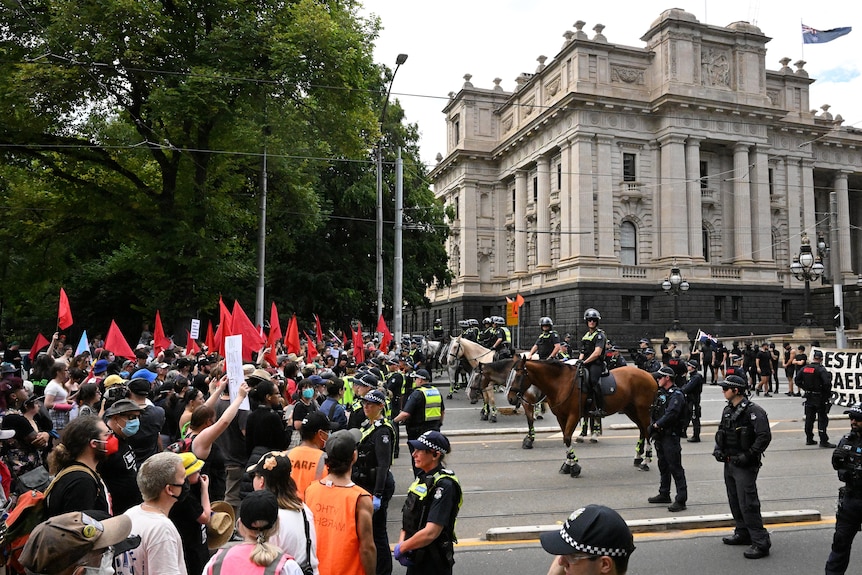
point(502, 201)
point(761, 214)
point(521, 221)
point(673, 204)
point(846, 264)
point(807, 208)
point(468, 204)
point(794, 202)
point(605, 188)
point(741, 206)
point(695, 206)
point(566, 201)
point(583, 228)
point(543, 213)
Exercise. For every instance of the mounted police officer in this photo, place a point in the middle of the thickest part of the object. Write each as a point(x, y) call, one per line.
point(430, 510)
point(593, 357)
point(548, 343)
point(424, 410)
point(693, 389)
point(742, 437)
point(437, 330)
point(667, 422)
point(472, 331)
point(847, 461)
point(816, 381)
point(502, 344)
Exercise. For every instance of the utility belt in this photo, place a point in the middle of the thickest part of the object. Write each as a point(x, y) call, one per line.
point(850, 492)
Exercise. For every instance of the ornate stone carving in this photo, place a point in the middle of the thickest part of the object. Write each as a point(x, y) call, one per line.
point(627, 75)
point(552, 87)
point(528, 106)
point(715, 67)
point(774, 97)
point(507, 123)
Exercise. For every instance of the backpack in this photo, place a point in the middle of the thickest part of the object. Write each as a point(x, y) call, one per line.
point(184, 445)
point(30, 510)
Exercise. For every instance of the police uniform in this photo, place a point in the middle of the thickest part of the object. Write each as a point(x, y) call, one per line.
point(677, 364)
point(740, 441)
point(502, 350)
point(546, 342)
point(425, 406)
point(651, 365)
point(488, 336)
point(615, 361)
point(693, 389)
point(437, 331)
point(666, 423)
point(471, 334)
point(816, 381)
point(434, 497)
point(847, 461)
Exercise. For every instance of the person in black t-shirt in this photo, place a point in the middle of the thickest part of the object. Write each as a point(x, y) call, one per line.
point(84, 445)
point(191, 513)
point(120, 468)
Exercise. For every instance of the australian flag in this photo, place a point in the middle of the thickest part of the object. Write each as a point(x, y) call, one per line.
point(813, 36)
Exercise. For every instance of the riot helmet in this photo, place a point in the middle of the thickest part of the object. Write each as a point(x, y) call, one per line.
point(546, 321)
point(592, 313)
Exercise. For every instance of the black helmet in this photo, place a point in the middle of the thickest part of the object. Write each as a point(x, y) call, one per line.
point(734, 382)
point(592, 314)
point(546, 321)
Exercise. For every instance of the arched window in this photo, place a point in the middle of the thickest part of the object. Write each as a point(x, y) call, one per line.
point(628, 244)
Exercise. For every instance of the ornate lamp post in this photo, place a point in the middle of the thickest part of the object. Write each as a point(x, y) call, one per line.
point(806, 267)
point(674, 284)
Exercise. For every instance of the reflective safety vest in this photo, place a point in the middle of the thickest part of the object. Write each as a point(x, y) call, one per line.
point(418, 504)
point(347, 398)
point(433, 403)
point(508, 338)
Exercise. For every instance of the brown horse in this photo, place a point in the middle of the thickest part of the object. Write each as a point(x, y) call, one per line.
point(497, 373)
point(561, 383)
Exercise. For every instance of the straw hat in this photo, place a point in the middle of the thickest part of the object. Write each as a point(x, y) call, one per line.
point(221, 524)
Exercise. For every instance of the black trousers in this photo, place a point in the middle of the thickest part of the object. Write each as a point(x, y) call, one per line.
point(741, 485)
point(816, 408)
point(378, 523)
point(669, 454)
point(848, 521)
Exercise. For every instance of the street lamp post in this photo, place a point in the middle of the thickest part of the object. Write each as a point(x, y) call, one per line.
point(674, 284)
point(806, 267)
point(398, 61)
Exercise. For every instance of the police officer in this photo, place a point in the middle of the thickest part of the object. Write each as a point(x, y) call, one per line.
point(502, 344)
point(693, 389)
point(667, 421)
point(362, 385)
point(639, 356)
point(424, 410)
point(816, 381)
point(395, 383)
point(614, 359)
point(593, 357)
point(426, 543)
point(488, 334)
point(742, 437)
point(548, 343)
point(437, 330)
point(650, 364)
point(371, 471)
point(472, 332)
point(847, 460)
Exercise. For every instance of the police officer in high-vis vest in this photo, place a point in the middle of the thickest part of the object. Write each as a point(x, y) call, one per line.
point(593, 357)
point(430, 510)
point(548, 343)
point(502, 344)
point(371, 470)
point(424, 410)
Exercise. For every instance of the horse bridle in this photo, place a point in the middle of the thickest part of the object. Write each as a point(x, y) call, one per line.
point(519, 369)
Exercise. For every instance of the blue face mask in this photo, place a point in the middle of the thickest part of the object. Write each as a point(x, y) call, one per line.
point(132, 426)
point(308, 393)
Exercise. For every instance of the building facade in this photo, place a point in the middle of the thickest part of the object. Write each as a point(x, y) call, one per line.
point(610, 163)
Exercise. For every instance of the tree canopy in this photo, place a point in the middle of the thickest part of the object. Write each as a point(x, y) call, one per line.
point(132, 136)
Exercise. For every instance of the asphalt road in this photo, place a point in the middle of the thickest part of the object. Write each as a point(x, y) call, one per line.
point(505, 485)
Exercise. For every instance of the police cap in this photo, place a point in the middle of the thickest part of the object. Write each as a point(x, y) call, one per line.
point(733, 382)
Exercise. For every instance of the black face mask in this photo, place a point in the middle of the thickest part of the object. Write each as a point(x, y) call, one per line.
point(184, 492)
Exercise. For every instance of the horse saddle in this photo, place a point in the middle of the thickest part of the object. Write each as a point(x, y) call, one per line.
point(607, 382)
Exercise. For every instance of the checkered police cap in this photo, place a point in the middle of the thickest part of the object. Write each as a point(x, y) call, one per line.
point(595, 530)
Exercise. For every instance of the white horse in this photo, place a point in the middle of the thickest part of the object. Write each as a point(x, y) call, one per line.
point(477, 356)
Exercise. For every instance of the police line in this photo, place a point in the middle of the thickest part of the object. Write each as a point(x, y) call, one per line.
point(845, 365)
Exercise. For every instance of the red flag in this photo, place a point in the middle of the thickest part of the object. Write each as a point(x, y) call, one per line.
point(358, 345)
point(291, 340)
point(160, 341)
point(311, 348)
point(274, 335)
point(38, 345)
point(344, 339)
point(509, 300)
point(223, 330)
point(191, 345)
point(318, 328)
point(241, 325)
point(116, 343)
point(64, 314)
point(386, 335)
point(519, 300)
point(209, 341)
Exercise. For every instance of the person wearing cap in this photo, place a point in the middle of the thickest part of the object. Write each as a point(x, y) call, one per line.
point(667, 422)
point(307, 458)
point(120, 468)
point(742, 437)
point(650, 364)
point(162, 482)
point(693, 389)
point(736, 367)
point(816, 381)
point(424, 409)
point(342, 511)
point(296, 532)
point(426, 542)
point(147, 441)
point(84, 444)
point(417, 358)
point(70, 543)
point(639, 355)
point(362, 386)
point(257, 525)
point(847, 461)
point(191, 513)
point(593, 535)
point(614, 359)
point(372, 470)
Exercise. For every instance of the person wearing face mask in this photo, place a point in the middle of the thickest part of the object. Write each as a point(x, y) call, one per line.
point(120, 468)
point(191, 513)
point(305, 403)
point(162, 482)
point(83, 445)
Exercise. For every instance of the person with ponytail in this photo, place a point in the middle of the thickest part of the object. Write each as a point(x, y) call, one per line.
point(258, 522)
point(85, 442)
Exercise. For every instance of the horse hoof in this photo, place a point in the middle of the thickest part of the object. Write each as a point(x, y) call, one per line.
point(565, 469)
point(579, 439)
point(527, 443)
point(576, 470)
point(492, 419)
point(644, 467)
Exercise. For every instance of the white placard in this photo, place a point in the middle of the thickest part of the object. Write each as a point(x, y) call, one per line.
point(233, 362)
point(195, 332)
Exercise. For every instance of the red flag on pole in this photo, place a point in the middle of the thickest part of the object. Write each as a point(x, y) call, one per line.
point(191, 345)
point(160, 341)
point(291, 340)
point(311, 348)
point(241, 325)
point(223, 330)
point(386, 335)
point(318, 328)
point(64, 313)
point(358, 345)
point(519, 300)
point(116, 343)
point(274, 335)
point(38, 345)
point(209, 340)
